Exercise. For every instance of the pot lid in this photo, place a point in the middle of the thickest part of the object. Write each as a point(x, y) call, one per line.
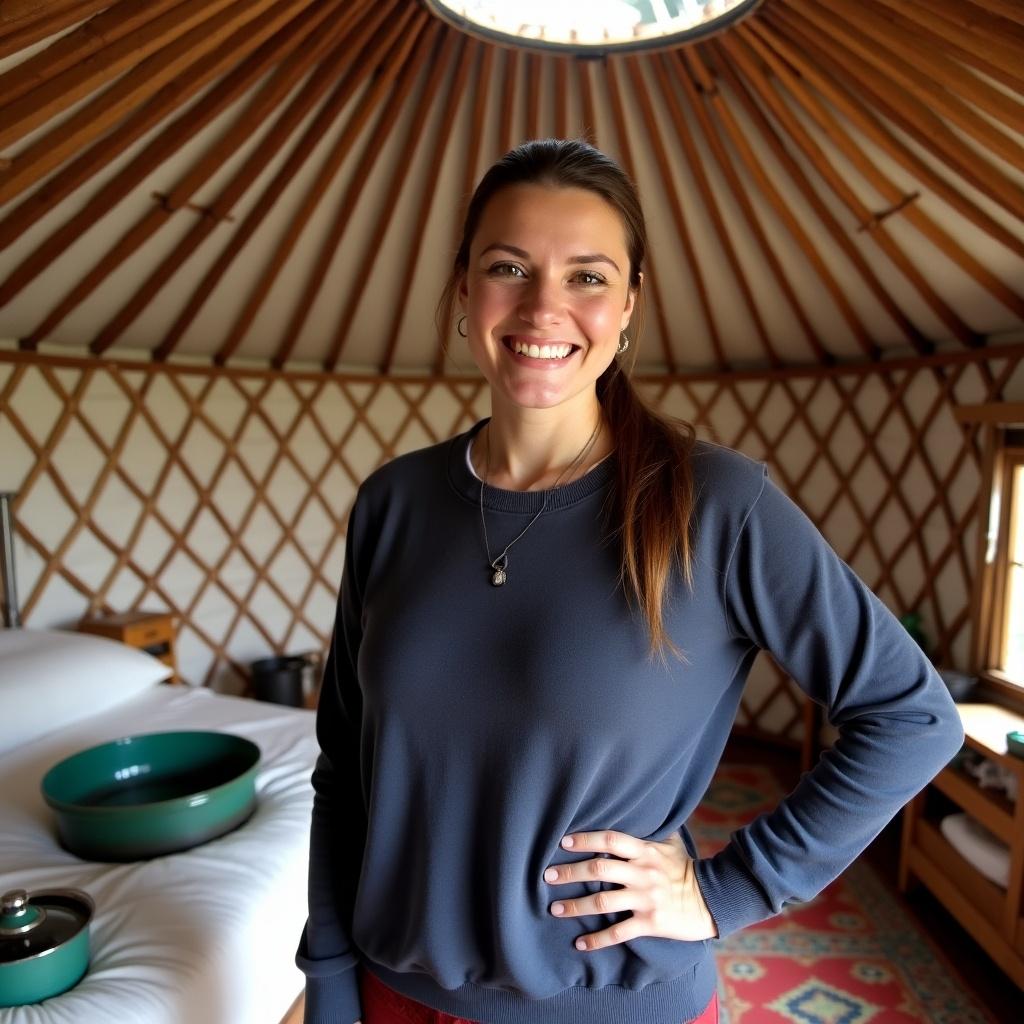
point(37, 923)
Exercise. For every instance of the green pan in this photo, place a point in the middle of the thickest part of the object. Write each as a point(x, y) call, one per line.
point(44, 943)
point(143, 796)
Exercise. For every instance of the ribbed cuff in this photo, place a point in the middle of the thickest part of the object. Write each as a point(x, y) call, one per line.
point(333, 999)
point(732, 894)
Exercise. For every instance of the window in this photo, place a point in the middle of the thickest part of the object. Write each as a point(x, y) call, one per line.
point(586, 26)
point(1004, 562)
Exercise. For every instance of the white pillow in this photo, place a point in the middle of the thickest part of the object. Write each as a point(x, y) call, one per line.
point(50, 678)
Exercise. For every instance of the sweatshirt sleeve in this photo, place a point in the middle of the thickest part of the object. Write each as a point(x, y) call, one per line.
point(788, 592)
point(338, 833)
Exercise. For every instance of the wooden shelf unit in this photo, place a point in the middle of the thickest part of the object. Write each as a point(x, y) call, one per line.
point(152, 632)
point(994, 916)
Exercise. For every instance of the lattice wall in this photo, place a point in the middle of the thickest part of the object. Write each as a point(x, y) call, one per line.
point(222, 495)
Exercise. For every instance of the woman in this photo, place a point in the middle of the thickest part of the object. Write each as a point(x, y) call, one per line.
point(507, 767)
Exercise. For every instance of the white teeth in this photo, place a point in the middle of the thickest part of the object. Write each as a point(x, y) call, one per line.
point(542, 351)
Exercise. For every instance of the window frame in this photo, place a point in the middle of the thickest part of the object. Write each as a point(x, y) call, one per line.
point(1002, 431)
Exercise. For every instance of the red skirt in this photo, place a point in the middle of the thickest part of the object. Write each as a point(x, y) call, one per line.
point(383, 1005)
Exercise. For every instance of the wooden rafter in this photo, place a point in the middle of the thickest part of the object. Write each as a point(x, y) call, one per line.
point(755, 168)
point(651, 278)
point(506, 131)
point(78, 47)
point(948, 25)
point(693, 263)
point(684, 67)
point(755, 82)
point(926, 225)
point(339, 57)
point(560, 97)
point(99, 114)
point(772, 50)
point(921, 124)
point(156, 218)
point(456, 91)
point(19, 34)
point(287, 75)
point(534, 70)
point(904, 75)
point(392, 67)
point(53, 95)
point(453, 49)
point(275, 41)
point(480, 92)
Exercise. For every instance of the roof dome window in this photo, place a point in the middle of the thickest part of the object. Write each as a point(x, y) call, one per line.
point(585, 26)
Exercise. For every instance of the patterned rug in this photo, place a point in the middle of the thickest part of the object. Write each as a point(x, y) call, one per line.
point(850, 956)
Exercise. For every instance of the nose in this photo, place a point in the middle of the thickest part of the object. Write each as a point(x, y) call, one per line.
point(541, 302)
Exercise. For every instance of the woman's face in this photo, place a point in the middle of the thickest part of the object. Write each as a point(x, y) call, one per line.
point(547, 266)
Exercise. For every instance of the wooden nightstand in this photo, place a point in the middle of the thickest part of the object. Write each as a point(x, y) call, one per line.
point(992, 914)
point(152, 632)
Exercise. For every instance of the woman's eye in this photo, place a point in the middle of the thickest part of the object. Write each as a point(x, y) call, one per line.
point(591, 278)
point(504, 270)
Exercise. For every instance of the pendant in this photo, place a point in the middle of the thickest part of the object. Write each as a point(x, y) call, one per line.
point(498, 565)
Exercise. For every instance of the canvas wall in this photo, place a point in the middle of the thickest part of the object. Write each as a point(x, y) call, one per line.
point(222, 495)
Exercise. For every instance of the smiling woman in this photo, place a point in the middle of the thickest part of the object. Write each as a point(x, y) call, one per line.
point(507, 768)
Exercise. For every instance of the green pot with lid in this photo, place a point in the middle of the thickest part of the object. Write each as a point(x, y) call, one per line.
point(44, 943)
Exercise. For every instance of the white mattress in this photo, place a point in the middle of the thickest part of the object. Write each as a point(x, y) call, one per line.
point(207, 935)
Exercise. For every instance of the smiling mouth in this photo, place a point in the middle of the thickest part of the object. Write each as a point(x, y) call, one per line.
point(573, 349)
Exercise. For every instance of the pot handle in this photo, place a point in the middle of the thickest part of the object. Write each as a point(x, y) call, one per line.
point(17, 914)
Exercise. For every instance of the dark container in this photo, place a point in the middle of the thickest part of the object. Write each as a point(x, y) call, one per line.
point(279, 680)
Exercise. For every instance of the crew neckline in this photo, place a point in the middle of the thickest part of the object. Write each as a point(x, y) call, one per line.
point(468, 484)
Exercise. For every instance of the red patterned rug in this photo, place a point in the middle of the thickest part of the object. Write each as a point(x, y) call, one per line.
point(850, 956)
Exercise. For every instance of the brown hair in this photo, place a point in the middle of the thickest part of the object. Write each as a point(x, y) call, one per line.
point(653, 500)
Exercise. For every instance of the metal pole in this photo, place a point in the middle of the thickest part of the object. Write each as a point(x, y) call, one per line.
point(12, 617)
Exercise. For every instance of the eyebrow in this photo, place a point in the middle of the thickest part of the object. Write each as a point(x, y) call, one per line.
point(595, 257)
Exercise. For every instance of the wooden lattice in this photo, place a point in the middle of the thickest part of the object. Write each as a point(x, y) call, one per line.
point(222, 495)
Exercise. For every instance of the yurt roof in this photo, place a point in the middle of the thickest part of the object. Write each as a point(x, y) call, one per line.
point(283, 181)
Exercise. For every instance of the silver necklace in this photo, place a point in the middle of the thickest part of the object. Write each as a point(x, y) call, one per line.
point(499, 565)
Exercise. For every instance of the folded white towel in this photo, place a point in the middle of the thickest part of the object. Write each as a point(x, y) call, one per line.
point(977, 845)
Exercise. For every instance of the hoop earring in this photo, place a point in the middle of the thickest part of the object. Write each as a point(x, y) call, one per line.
point(623, 345)
point(458, 326)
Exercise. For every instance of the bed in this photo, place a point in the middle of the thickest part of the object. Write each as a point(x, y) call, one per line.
point(208, 934)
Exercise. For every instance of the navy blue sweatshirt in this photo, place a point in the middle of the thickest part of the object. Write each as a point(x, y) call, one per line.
point(466, 728)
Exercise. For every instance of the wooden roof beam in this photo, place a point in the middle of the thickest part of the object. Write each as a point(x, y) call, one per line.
point(96, 117)
point(278, 41)
point(20, 34)
point(753, 79)
point(902, 72)
point(756, 169)
point(683, 65)
point(994, 285)
point(1009, 9)
point(26, 113)
point(263, 105)
point(671, 194)
point(651, 279)
point(508, 99)
point(534, 67)
point(390, 62)
point(358, 42)
point(157, 217)
point(480, 91)
point(560, 97)
point(949, 25)
point(771, 48)
point(78, 46)
point(414, 245)
point(918, 53)
point(921, 124)
point(453, 47)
